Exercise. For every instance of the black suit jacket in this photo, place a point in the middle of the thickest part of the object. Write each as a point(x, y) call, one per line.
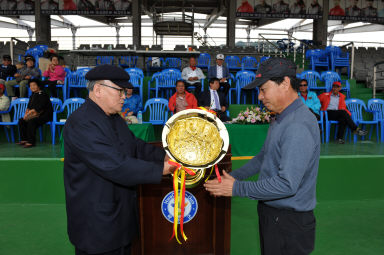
point(205, 99)
point(104, 162)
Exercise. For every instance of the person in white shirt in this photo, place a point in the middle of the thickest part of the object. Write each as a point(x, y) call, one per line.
point(192, 76)
point(221, 72)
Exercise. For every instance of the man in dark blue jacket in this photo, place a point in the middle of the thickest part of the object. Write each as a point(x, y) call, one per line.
point(7, 69)
point(104, 162)
point(221, 72)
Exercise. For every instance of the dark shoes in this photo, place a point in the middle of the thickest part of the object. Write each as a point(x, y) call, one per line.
point(28, 145)
point(361, 132)
point(340, 141)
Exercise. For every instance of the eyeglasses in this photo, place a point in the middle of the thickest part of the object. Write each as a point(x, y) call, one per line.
point(122, 92)
point(303, 85)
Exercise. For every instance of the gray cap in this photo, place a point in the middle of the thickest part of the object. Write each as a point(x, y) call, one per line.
point(272, 68)
point(113, 73)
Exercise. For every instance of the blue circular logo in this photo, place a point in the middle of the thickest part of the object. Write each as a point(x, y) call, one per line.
point(168, 205)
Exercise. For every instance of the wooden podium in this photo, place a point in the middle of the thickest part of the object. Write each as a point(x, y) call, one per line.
point(209, 232)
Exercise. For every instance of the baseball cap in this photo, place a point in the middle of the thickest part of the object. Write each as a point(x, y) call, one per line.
point(220, 56)
point(115, 74)
point(337, 83)
point(273, 68)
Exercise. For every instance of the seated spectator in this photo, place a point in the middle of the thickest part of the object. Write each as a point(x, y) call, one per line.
point(55, 74)
point(132, 105)
point(4, 105)
point(220, 72)
point(334, 103)
point(192, 75)
point(309, 98)
point(7, 69)
point(39, 111)
point(22, 76)
point(215, 100)
point(182, 99)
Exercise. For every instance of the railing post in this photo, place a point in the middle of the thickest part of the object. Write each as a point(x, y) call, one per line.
point(352, 60)
point(374, 81)
point(11, 50)
point(303, 56)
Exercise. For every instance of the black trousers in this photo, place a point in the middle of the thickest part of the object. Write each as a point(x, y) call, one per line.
point(51, 87)
point(225, 86)
point(344, 120)
point(197, 86)
point(125, 250)
point(28, 129)
point(285, 232)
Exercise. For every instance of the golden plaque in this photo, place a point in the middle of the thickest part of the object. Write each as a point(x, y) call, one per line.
point(196, 139)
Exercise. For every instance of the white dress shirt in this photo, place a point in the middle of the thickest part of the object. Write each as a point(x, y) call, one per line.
point(213, 105)
point(219, 72)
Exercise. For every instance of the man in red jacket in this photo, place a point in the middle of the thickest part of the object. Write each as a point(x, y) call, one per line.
point(334, 103)
point(182, 99)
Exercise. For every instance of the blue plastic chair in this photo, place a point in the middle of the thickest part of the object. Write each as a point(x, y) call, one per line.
point(56, 105)
point(128, 61)
point(249, 63)
point(321, 122)
point(329, 77)
point(328, 124)
point(243, 78)
point(376, 106)
point(204, 61)
point(165, 82)
point(101, 60)
point(233, 63)
point(19, 107)
point(172, 63)
point(318, 58)
point(136, 70)
point(136, 80)
point(312, 77)
point(338, 58)
point(75, 81)
point(69, 105)
point(356, 107)
point(158, 111)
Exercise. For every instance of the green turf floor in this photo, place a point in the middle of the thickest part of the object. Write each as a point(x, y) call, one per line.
point(343, 228)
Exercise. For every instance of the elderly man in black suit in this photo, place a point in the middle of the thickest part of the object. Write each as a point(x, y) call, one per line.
point(215, 100)
point(104, 162)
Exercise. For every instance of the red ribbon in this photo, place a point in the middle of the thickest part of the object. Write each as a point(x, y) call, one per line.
point(217, 173)
point(189, 171)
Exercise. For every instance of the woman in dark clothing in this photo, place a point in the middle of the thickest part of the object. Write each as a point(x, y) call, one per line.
point(39, 111)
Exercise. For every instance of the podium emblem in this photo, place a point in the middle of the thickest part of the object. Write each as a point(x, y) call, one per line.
point(168, 205)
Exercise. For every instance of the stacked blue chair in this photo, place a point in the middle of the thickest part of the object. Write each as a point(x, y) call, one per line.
point(312, 77)
point(318, 58)
point(233, 63)
point(128, 61)
point(158, 110)
point(329, 77)
point(376, 107)
point(18, 107)
point(322, 123)
point(338, 58)
point(356, 107)
point(243, 78)
point(173, 63)
point(137, 79)
point(204, 61)
point(69, 106)
point(102, 60)
point(249, 63)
